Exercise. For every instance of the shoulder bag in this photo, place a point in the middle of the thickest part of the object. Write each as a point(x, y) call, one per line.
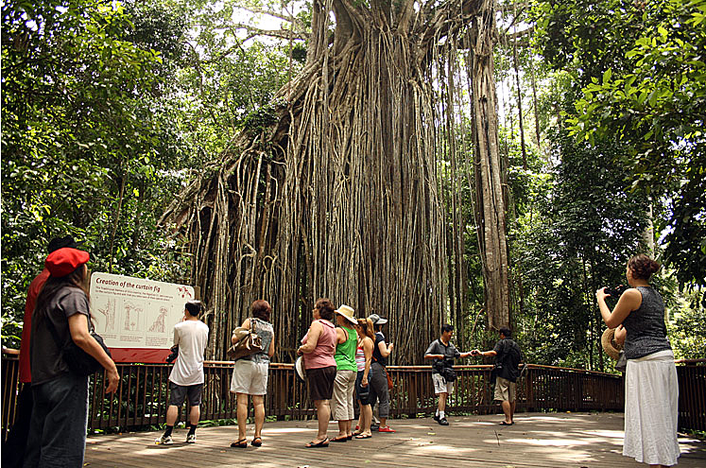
point(79, 361)
point(248, 343)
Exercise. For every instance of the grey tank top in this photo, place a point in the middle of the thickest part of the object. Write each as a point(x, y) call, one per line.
point(265, 331)
point(646, 331)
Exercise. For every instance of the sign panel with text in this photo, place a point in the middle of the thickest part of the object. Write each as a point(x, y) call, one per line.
point(136, 316)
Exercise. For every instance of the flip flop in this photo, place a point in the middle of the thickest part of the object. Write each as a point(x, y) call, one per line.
point(257, 442)
point(340, 439)
point(363, 436)
point(506, 423)
point(242, 443)
point(323, 443)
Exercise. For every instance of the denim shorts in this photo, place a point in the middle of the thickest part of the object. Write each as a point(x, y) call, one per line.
point(363, 393)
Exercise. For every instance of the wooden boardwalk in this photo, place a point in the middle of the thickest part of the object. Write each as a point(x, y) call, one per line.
point(558, 440)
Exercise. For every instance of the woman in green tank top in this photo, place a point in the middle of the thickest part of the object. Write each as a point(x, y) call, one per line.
point(346, 371)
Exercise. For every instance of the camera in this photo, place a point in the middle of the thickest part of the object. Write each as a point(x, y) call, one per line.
point(617, 291)
point(173, 355)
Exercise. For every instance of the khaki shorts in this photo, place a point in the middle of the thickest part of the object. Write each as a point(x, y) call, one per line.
point(342, 404)
point(441, 385)
point(505, 390)
point(249, 377)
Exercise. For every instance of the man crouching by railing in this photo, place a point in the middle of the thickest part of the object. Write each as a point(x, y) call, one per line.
point(186, 378)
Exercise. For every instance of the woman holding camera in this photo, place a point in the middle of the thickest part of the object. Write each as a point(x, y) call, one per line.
point(250, 373)
point(651, 386)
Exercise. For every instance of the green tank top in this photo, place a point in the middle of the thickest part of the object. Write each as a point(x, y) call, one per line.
point(345, 352)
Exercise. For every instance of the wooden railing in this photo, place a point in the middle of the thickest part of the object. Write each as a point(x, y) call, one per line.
point(141, 401)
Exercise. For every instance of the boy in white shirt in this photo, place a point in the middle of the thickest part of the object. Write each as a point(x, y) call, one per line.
point(186, 379)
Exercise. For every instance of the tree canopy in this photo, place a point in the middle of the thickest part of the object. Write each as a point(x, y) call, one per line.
point(359, 150)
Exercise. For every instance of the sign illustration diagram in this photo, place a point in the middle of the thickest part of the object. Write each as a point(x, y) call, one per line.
point(135, 313)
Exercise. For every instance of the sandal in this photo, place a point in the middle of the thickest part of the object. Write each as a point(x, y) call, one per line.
point(340, 439)
point(363, 436)
point(312, 444)
point(242, 443)
point(257, 442)
point(507, 423)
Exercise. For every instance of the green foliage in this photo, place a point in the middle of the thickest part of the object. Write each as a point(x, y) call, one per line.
point(259, 119)
point(643, 79)
point(687, 326)
point(576, 237)
point(108, 110)
point(86, 149)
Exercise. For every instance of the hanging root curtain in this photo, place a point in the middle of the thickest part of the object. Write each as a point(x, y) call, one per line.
point(337, 192)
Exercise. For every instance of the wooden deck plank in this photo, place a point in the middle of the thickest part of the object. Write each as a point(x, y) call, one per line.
point(557, 440)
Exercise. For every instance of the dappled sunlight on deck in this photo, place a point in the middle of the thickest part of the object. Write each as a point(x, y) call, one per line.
point(536, 440)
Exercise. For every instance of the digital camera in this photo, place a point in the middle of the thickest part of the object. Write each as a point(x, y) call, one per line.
point(617, 291)
point(174, 354)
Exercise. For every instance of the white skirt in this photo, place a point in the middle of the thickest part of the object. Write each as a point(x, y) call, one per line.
point(651, 409)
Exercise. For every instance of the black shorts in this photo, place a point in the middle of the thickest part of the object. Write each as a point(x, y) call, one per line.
point(177, 393)
point(321, 382)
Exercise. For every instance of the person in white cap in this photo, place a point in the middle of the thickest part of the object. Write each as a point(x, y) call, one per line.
point(346, 372)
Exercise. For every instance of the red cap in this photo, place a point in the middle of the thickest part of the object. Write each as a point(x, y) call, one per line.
point(64, 261)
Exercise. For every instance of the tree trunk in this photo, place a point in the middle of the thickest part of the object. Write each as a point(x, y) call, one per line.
point(516, 65)
point(338, 195)
point(490, 196)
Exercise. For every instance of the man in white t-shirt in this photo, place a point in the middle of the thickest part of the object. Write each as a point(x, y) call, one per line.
point(186, 378)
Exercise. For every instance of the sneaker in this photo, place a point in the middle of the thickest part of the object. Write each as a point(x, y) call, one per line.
point(443, 422)
point(164, 440)
point(386, 429)
point(191, 438)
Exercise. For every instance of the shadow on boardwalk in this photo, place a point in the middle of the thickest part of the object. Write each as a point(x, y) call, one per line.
point(536, 440)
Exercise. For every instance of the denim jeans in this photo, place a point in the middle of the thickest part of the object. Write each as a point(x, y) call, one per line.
point(57, 434)
point(13, 449)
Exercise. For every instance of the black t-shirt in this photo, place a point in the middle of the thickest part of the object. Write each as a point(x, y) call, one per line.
point(46, 357)
point(509, 356)
point(377, 355)
point(438, 347)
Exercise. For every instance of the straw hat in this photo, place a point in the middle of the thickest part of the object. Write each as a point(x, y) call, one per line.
point(611, 348)
point(347, 313)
